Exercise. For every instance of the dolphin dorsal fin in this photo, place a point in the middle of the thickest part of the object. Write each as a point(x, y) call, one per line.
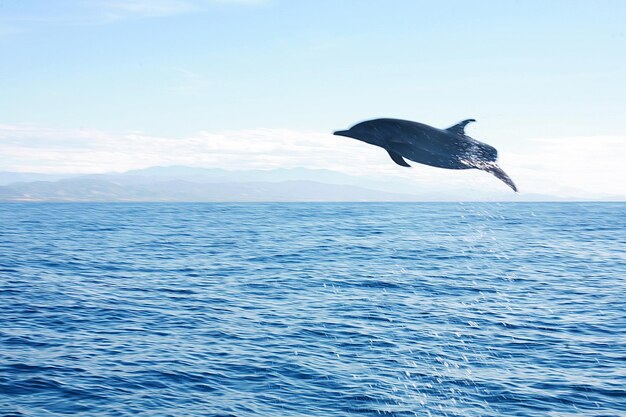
point(459, 128)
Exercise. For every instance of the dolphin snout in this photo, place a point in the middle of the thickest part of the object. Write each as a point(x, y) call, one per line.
point(345, 133)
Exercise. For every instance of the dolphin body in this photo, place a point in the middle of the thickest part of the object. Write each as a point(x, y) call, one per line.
point(447, 148)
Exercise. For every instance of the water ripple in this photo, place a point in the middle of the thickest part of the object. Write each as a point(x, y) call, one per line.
point(312, 309)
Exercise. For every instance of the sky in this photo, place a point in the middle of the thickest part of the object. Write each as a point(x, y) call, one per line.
point(99, 86)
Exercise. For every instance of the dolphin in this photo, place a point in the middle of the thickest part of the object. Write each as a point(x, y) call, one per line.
point(447, 148)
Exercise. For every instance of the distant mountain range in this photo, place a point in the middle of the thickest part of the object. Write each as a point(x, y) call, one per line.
point(93, 189)
point(189, 184)
point(181, 184)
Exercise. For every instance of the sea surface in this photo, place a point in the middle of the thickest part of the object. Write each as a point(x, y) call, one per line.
point(366, 309)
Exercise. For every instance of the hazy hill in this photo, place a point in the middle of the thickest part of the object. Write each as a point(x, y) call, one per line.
point(7, 177)
point(180, 183)
point(103, 189)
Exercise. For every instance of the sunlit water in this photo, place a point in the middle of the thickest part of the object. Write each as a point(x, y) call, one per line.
point(313, 309)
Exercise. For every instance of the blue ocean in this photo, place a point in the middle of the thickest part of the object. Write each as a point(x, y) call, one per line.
point(313, 309)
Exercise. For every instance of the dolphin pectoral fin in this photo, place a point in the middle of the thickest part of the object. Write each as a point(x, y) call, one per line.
point(500, 174)
point(398, 159)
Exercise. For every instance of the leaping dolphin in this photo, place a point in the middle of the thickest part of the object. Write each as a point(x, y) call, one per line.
point(447, 148)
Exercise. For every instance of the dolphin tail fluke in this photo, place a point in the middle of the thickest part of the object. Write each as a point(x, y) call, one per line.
point(500, 174)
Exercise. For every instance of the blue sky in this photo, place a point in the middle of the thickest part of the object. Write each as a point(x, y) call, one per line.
point(174, 69)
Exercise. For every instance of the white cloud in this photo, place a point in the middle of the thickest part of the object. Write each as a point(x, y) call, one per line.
point(8, 30)
point(125, 9)
point(115, 10)
point(572, 167)
point(29, 148)
point(97, 12)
